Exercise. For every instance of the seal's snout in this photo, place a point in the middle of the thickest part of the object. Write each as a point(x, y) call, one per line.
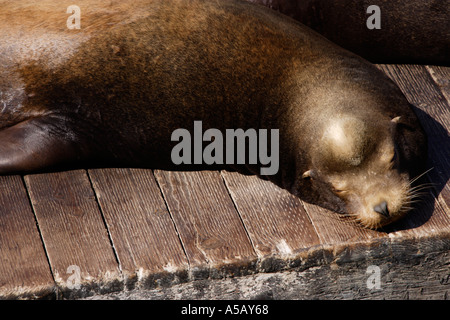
point(382, 209)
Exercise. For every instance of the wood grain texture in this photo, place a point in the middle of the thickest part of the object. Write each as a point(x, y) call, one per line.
point(441, 77)
point(24, 269)
point(333, 230)
point(74, 233)
point(142, 231)
point(434, 113)
point(421, 276)
point(210, 229)
point(275, 220)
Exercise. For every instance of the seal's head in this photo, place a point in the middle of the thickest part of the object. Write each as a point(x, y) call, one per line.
point(360, 167)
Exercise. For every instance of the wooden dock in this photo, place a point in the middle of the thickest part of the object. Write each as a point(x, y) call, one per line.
point(135, 233)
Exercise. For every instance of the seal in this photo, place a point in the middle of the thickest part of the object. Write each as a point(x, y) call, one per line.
point(409, 31)
point(114, 91)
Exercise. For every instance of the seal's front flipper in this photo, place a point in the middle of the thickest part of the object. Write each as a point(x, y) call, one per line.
point(35, 144)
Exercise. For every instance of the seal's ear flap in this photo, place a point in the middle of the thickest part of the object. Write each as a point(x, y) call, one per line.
point(399, 122)
point(396, 120)
point(306, 174)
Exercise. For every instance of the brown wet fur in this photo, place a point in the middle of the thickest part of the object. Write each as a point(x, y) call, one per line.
point(113, 92)
point(412, 31)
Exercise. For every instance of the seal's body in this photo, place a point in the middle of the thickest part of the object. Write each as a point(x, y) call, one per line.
point(413, 31)
point(115, 91)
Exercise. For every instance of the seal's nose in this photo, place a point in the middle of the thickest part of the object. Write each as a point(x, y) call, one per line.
point(382, 209)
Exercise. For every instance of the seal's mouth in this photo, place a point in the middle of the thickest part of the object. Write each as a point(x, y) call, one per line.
point(379, 216)
point(376, 217)
point(377, 211)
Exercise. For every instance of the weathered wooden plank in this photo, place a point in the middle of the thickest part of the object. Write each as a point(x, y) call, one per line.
point(74, 234)
point(434, 114)
point(24, 269)
point(275, 219)
point(421, 276)
point(141, 229)
point(441, 76)
point(210, 229)
point(334, 230)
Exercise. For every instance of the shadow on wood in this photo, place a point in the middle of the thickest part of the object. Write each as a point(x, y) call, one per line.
point(434, 181)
